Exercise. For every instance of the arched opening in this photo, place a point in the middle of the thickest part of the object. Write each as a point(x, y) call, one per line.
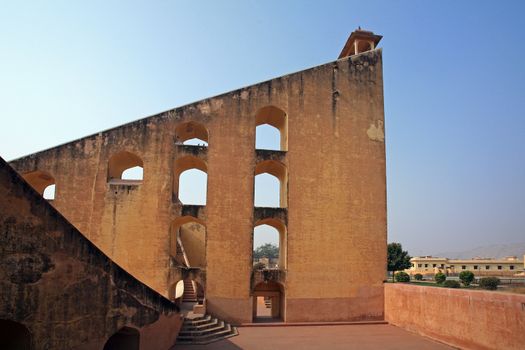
point(267, 137)
point(133, 174)
point(49, 192)
point(268, 302)
point(363, 46)
point(42, 182)
point(125, 339)
point(176, 290)
point(188, 241)
point(14, 336)
point(125, 168)
point(192, 134)
point(270, 234)
point(190, 180)
point(271, 130)
point(271, 184)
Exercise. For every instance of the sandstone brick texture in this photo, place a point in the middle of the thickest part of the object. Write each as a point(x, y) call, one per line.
point(61, 288)
point(333, 193)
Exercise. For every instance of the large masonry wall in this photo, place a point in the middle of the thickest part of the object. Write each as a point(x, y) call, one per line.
point(61, 287)
point(336, 195)
point(468, 319)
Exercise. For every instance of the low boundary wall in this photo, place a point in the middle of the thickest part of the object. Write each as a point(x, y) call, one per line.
point(469, 319)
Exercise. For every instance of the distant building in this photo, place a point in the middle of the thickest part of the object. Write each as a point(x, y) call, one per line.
point(508, 266)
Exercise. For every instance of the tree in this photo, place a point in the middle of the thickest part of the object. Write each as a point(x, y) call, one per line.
point(440, 277)
point(490, 283)
point(466, 277)
point(397, 258)
point(268, 250)
point(451, 284)
point(402, 277)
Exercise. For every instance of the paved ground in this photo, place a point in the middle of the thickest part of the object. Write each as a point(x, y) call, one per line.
point(359, 337)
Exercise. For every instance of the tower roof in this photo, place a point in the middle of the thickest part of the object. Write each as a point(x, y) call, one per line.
point(359, 35)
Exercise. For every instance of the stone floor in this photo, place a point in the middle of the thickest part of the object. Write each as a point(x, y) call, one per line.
point(362, 337)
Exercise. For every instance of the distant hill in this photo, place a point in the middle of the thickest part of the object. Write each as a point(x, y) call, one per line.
point(489, 251)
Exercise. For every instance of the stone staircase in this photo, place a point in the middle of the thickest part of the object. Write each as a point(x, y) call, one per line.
point(204, 330)
point(179, 256)
point(189, 295)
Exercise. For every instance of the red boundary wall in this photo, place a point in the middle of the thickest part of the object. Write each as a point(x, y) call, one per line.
point(469, 319)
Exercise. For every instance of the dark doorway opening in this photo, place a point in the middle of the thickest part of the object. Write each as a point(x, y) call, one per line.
point(14, 336)
point(125, 339)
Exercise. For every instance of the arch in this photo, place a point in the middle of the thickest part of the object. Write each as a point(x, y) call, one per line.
point(122, 161)
point(188, 131)
point(281, 228)
point(126, 338)
point(176, 290)
point(188, 241)
point(49, 192)
point(14, 335)
point(43, 182)
point(277, 118)
point(198, 188)
point(278, 170)
point(269, 294)
point(133, 174)
point(363, 46)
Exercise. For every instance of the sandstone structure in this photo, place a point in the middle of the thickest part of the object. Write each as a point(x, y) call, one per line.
point(59, 291)
point(332, 213)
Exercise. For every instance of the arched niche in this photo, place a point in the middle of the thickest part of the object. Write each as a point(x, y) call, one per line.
point(43, 182)
point(191, 133)
point(278, 170)
point(14, 335)
point(126, 338)
point(277, 118)
point(193, 186)
point(281, 229)
point(125, 161)
point(188, 241)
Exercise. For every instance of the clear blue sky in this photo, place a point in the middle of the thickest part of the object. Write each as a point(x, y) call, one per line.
point(453, 71)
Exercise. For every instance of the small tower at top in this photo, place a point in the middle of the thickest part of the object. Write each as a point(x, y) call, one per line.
point(359, 41)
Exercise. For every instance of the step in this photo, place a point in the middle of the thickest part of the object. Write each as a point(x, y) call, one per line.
point(200, 326)
point(232, 333)
point(197, 318)
point(196, 321)
point(204, 330)
point(190, 327)
point(218, 327)
point(227, 330)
